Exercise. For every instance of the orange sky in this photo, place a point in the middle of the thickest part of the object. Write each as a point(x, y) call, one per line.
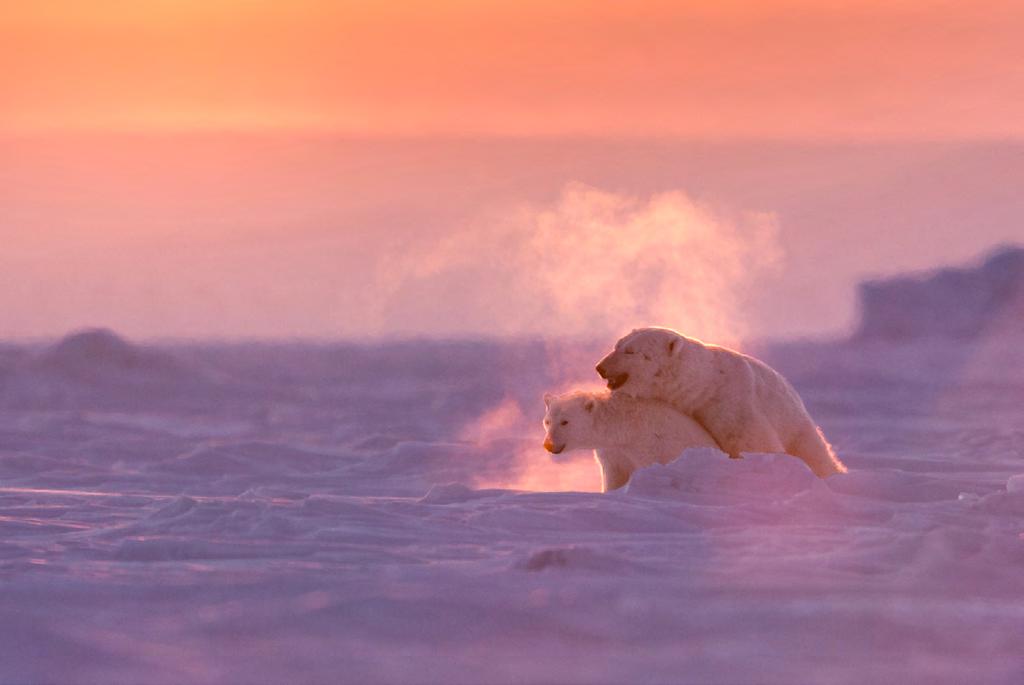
point(892, 69)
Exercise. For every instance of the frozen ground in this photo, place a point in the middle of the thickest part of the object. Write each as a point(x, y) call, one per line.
point(314, 515)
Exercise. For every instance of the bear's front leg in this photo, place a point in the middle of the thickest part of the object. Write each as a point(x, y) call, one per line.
point(614, 471)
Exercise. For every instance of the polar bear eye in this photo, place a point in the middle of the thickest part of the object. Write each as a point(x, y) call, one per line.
point(628, 351)
point(565, 422)
point(647, 357)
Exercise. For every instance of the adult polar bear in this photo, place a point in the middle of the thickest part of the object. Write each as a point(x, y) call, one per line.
point(743, 403)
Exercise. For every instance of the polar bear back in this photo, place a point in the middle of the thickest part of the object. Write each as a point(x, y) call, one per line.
point(622, 420)
point(768, 390)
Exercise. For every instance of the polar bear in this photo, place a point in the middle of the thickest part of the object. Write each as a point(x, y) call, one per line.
point(742, 402)
point(625, 433)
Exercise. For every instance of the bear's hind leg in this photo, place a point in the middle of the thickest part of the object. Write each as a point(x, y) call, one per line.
point(748, 432)
point(810, 446)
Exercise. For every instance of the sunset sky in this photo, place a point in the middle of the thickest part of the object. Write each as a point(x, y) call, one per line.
point(751, 68)
point(258, 168)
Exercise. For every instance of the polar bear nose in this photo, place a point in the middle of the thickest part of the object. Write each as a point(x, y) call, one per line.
point(602, 371)
point(549, 445)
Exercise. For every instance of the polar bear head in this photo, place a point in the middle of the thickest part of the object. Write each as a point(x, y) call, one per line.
point(642, 361)
point(569, 422)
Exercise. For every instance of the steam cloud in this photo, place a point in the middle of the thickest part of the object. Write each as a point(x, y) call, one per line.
point(597, 263)
point(531, 467)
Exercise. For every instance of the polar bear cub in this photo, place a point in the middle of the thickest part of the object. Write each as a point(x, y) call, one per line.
point(742, 402)
point(625, 433)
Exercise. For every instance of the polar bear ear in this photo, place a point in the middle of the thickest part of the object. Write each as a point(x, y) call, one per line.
point(589, 405)
point(547, 399)
point(673, 347)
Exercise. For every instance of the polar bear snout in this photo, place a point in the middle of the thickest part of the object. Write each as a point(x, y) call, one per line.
point(550, 447)
point(616, 382)
point(605, 370)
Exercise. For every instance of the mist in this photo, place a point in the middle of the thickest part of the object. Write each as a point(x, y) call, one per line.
point(242, 237)
point(596, 263)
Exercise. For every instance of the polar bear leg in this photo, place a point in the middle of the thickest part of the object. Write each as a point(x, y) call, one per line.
point(747, 431)
point(810, 446)
point(614, 478)
point(614, 471)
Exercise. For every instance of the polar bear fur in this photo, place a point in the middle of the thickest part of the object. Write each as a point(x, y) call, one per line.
point(742, 402)
point(625, 433)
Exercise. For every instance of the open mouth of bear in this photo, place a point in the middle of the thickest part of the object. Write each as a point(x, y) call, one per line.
point(616, 382)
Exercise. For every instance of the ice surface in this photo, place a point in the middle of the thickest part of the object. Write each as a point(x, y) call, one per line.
point(310, 514)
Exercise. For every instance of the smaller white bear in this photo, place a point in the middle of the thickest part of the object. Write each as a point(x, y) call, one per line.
point(626, 433)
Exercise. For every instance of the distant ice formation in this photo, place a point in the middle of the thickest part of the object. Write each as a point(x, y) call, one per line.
point(962, 303)
point(99, 352)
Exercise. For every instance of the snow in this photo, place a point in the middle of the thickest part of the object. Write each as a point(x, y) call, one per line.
point(341, 513)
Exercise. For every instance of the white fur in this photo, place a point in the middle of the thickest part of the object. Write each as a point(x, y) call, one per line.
point(742, 402)
point(625, 433)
